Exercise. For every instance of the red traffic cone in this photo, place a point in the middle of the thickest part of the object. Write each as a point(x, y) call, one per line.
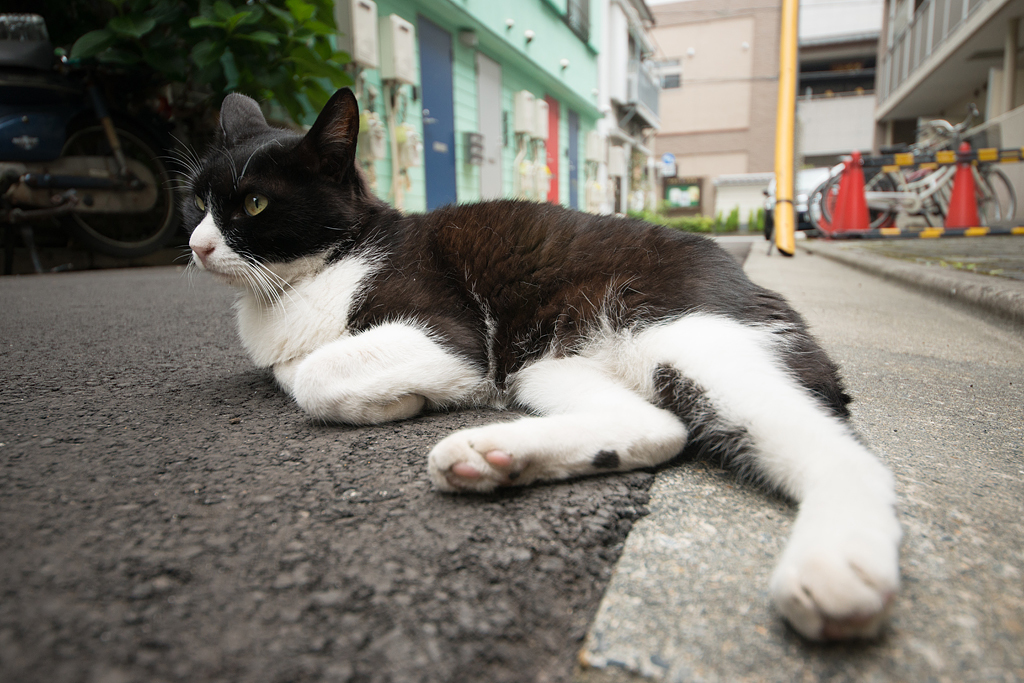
point(851, 213)
point(963, 206)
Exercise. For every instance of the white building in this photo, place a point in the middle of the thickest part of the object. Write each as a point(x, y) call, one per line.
point(939, 56)
point(628, 95)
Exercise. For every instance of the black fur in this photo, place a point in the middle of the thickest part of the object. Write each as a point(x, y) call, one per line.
point(544, 274)
point(606, 460)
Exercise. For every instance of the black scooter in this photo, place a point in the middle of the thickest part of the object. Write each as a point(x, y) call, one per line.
point(63, 154)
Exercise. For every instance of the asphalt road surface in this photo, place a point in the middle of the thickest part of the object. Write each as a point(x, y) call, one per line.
point(168, 514)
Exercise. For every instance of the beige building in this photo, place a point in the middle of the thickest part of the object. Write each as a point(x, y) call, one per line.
point(719, 66)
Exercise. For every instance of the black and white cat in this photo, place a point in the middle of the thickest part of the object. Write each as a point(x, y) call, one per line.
point(624, 343)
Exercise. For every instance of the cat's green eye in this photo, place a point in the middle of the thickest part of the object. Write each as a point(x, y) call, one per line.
point(255, 203)
point(200, 204)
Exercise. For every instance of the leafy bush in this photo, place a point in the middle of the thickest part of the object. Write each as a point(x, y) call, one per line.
point(272, 50)
point(732, 223)
point(685, 223)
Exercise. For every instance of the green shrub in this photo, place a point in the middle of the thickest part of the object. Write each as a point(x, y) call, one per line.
point(684, 223)
point(732, 223)
point(273, 50)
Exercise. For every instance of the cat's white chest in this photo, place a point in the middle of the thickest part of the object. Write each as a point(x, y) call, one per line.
point(311, 313)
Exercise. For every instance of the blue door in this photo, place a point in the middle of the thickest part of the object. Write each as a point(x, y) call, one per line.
point(438, 113)
point(573, 153)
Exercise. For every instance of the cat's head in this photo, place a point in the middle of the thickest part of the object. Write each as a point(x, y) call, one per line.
point(270, 200)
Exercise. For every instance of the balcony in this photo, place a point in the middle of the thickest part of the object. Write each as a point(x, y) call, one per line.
point(836, 125)
point(643, 92)
point(940, 54)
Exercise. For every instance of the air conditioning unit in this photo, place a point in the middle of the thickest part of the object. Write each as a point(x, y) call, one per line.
point(540, 121)
point(357, 31)
point(397, 50)
point(524, 112)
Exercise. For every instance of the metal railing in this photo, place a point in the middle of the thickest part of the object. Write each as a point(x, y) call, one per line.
point(644, 88)
point(933, 23)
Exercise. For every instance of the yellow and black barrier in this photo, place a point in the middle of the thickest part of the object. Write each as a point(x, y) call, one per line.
point(928, 233)
point(890, 163)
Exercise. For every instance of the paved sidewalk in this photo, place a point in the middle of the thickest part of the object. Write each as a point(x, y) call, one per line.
point(938, 395)
point(983, 274)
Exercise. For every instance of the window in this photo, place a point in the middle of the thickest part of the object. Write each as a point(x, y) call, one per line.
point(669, 72)
point(577, 16)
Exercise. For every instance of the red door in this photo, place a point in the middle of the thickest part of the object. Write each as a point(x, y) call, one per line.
point(552, 147)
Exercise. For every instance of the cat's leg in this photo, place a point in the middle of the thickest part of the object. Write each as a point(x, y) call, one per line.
point(588, 422)
point(840, 570)
point(389, 372)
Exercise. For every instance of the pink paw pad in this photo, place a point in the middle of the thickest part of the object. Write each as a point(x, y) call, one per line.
point(465, 470)
point(499, 459)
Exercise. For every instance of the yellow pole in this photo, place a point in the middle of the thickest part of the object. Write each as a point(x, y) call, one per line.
point(785, 215)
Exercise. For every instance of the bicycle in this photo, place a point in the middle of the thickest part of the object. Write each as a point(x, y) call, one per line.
point(924, 192)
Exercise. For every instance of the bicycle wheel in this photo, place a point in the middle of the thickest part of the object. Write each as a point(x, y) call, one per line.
point(126, 235)
point(829, 193)
point(997, 202)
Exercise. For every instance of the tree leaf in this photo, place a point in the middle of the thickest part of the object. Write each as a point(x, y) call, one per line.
point(223, 10)
point(252, 15)
point(206, 53)
point(92, 43)
point(265, 37)
point(281, 14)
point(202, 22)
point(118, 56)
point(302, 10)
point(227, 60)
point(131, 26)
point(319, 27)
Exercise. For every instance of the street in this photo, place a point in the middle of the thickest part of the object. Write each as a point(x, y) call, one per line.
point(168, 514)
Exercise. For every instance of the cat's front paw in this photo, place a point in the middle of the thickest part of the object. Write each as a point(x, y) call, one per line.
point(840, 584)
point(468, 461)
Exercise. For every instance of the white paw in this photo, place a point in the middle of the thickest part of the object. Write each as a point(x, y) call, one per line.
point(838, 583)
point(469, 460)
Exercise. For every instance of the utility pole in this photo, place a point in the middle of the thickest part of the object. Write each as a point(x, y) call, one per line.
point(785, 213)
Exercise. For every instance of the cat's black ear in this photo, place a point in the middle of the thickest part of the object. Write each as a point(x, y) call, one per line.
point(332, 139)
point(240, 118)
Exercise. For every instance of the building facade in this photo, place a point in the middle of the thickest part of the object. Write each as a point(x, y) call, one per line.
point(937, 57)
point(622, 175)
point(718, 61)
point(476, 99)
point(835, 106)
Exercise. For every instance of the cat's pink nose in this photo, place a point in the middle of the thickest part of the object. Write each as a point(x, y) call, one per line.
point(201, 250)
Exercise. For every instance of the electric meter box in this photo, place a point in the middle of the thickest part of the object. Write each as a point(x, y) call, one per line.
point(357, 31)
point(540, 121)
point(597, 149)
point(525, 112)
point(397, 50)
point(617, 160)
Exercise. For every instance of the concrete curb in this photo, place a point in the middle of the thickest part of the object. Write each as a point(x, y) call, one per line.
point(1000, 297)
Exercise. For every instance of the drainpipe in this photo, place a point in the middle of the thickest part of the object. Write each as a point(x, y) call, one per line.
point(1010, 64)
point(785, 213)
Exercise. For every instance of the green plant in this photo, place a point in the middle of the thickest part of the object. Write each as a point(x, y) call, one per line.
point(686, 223)
point(732, 223)
point(272, 50)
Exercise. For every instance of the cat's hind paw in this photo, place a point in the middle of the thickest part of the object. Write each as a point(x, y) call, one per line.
point(831, 592)
point(462, 463)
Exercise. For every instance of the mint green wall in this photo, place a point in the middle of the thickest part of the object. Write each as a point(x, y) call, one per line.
point(534, 67)
point(467, 176)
